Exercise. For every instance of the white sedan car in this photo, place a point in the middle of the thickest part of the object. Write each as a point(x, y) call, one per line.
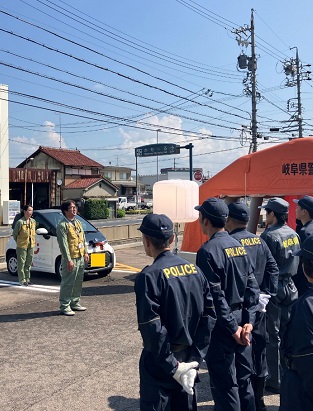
point(47, 257)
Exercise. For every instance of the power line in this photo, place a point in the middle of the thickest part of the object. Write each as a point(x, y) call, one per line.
point(108, 118)
point(222, 22)
point(110, 96)
point(213, 17)
point(112, 71)
point(90, 24)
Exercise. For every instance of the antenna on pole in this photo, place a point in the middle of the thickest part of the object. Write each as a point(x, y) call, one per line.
point(60, 124)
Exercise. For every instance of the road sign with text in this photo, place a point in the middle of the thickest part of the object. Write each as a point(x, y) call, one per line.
point(157, 150)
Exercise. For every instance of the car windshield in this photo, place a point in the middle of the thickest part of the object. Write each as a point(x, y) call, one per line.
point(55, 218)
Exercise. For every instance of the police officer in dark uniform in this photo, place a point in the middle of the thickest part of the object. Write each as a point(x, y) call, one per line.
point(304, 213)
point(297, 344)
point(235, 293)
point(175, 316)
point(282, 241)
point(266, 273)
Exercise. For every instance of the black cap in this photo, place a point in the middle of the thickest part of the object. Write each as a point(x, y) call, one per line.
point(157, 225)
point(277, 204)
point(239, 211)
point(306, 251)
point(305, 202)
point(214, 208)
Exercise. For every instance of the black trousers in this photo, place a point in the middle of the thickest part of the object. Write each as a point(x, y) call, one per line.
point(278, 312)
point(160, 392)
point(296, 392)
point(259, 338)
point(230, 368)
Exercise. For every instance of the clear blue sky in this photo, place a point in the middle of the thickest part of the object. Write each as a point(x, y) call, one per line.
point(107, 75)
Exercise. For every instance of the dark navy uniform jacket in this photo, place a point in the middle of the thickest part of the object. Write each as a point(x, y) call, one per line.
point(228, 269)
point(175, 310)
point(300, 279)
point(265, 267)
point(306, 231)
point(298, 337)
point(297, 347)
point(283, 241)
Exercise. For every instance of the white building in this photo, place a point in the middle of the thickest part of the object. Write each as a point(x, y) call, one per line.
point(4, 148)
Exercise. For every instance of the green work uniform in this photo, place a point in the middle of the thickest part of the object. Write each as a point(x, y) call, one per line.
point(24, 235)
point(72, 243)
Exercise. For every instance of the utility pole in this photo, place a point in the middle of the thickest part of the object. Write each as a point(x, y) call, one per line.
point(254, 126)
point(295, 73)
point(158, 156)
point(246, 35)
point(299, 95)
point(60, 130)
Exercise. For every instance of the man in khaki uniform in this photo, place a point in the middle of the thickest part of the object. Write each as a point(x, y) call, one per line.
point(24, 235)
point(72, 243)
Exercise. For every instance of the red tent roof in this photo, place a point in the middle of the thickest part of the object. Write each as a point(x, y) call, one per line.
point(286, 169)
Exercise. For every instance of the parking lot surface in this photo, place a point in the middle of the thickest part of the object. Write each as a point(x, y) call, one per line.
point(88, 362)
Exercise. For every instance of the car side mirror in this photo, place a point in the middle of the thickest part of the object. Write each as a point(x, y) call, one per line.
point(41, 231)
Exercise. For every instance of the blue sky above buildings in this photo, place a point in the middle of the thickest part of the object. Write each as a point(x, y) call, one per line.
point(107, 75)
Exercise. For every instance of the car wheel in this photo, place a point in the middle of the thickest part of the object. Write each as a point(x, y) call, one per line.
point(12, 263)
point(58, 267)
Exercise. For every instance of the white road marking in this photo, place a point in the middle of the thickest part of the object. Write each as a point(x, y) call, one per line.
point(124, 271)
point(34, 287)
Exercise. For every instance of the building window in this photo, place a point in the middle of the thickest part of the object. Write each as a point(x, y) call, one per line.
point(108, 174)
point(123, 176)
point(77, 171)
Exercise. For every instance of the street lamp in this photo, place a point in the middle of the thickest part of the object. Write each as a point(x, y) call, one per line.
point(158, 156)
point(25, 182)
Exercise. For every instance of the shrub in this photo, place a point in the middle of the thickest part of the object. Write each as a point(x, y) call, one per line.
point(96, 209)
point(138, 212)
point(120, 213)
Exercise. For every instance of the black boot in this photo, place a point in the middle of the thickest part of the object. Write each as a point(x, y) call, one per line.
point(259, 388)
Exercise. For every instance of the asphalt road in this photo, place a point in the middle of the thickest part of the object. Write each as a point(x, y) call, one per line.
point(88, 362)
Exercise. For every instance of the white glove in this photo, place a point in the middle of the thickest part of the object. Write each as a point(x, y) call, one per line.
point(188, 380)
point(263, 301)
point(186, 374)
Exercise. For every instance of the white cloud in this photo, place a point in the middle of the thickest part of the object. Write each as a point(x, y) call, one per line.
point(22, 147)
point(98, 87)
point(53, 137)
point(210, 154)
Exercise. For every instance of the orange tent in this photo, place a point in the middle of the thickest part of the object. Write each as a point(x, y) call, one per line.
point(283, 170)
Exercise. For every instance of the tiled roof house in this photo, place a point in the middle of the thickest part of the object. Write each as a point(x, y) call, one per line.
point(75, 174)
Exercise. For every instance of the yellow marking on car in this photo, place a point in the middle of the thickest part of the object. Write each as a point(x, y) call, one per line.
point(125, 267)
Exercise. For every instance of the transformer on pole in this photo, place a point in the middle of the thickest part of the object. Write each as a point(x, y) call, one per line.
point(245, 36)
